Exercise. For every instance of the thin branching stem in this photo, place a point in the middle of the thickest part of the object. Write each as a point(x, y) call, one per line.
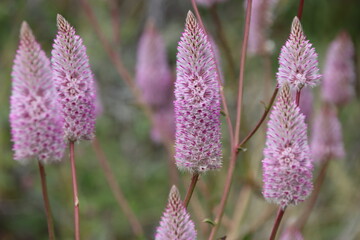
point(300, 9)
point(191, 188)
point(116, 190)
point(75, 192)
point(279, 216)
point(49, 219)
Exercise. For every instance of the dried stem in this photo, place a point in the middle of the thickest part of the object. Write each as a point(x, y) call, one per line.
point(223, 99)
point(191, 188)
point(300, 9)
point(235, 141)
point(298, 93)
point(116, 190)
point(75, 192)
point(300, 223)
point(223, 41)
point(49, 218)
point(279, 216)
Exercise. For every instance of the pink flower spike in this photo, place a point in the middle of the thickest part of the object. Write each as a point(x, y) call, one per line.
point(153, 74)
point(287, 166)
point(209, 3)
point(298, 60)
point(74, 83)
point(339, 72)
point(175, 222)
point(35, 126)
point(197, 102)
point(326, 142)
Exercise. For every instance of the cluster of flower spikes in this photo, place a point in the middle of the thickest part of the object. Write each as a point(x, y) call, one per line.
point(175, 222)
point(74, 83)
point(197, 102)
point(209, 3)
point(298, 60)
point(326, 141)
point(261, 20)
point(287, 164)
point(339, 72)
point(153, 74)
point(35, 124)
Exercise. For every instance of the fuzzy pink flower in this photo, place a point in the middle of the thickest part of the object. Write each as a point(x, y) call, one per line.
point(164, 125)
point(287, 167)
point(35, 125)
point(326, 141)
point(74, 83)
point(153, 74)
point(175, 222)
point(209, 3)
point(298, 60)
point(261, 20)
point(339, 72)
point(197, 102)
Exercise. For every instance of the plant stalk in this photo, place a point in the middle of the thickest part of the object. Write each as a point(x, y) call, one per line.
point(45, 195)
point(298, 92)
point(279, 216)
point(75, 192)
point(300, 9)
point(191, 188)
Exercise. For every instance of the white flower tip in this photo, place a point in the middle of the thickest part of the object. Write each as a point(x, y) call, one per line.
point(174, 193)
point(296, 27)
point(62, 24)
point(25, 31)
point(191, 19)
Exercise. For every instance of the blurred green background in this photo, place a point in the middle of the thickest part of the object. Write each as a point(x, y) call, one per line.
point(141, 166)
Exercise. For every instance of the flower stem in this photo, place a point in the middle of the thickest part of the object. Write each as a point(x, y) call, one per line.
point(49, 218)
point(191, 188)
point(116, 190)
point(300, 223)
point(75, 192)
point(298, 92)
point(236, 137)
point(279, 216)
point(300, 9)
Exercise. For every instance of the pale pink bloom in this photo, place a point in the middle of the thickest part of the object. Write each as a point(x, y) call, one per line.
point(291, 234)
point(298, 60)
point(326, 142)
point(164, 125)
point(35, 124)
point(74, 83)
point(197, 102)
point(209, 3)
point(339, 72)
point(175, 223)
point(261, 20)
point(287, 166)
point(153, 74)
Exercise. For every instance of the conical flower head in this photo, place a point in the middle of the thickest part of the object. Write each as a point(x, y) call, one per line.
point(197, 102)
point(298, 60)
point(287, 167)
point(35, 125)
point(209, 3)
point(175, 223)
point(74, 83)
point(339, 72)
point(326, 141)
point(153, 74)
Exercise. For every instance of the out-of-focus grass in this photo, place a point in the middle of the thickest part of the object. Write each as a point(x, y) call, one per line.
point(123, 131)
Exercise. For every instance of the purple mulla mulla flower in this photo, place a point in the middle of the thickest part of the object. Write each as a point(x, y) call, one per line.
point(74, 83)
point(298, 60)
point(175, 222)
point(326, 140)
point(197, 102)
point(153, 74)
point(209, 3)
point(35, 124)
point(339, 72)
point(287, 166)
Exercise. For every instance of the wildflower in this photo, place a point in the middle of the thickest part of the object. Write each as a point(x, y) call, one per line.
point(339, 72)
point(298, 60)
point(197, 102)
point(74, 83)
point(35, 126)
point(175, 222)
point(287, 167)
point(153, 74)
point(326, 142)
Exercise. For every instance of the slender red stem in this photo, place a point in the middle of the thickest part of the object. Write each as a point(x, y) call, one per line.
point(49, 218)
point(235, 141)
point(300, 9)
point(191, 188)
point(298, 97)
point(279, 216)
point(75, 192)
point(116, 190)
